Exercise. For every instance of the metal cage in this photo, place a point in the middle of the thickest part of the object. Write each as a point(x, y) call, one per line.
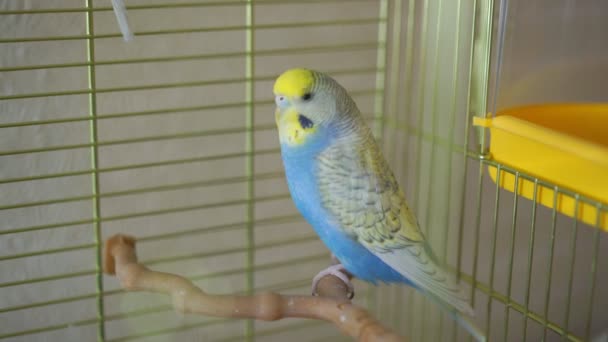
point(171, 138)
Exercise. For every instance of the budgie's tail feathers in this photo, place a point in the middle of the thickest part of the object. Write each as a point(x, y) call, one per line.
point(464, 318)
point(459, 301)
point(461, 317)
point(416, 265)
point(470, 326)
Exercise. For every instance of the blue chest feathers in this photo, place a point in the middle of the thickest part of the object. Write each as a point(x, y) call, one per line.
point(300, 170)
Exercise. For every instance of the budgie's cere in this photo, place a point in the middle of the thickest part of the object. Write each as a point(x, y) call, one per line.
point(344, 188)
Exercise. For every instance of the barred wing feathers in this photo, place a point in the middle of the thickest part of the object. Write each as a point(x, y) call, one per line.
point(359, 189)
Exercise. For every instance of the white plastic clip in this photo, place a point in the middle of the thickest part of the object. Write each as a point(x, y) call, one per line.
point(120, 10)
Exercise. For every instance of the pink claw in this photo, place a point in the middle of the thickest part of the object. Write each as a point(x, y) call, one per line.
point(338, 271)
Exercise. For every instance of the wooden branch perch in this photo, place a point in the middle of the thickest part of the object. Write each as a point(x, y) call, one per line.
point(332, 305)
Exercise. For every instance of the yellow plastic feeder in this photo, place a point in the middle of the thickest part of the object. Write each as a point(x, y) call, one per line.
point(565, 144)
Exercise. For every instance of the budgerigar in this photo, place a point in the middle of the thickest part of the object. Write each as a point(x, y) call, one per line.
point(342, 185)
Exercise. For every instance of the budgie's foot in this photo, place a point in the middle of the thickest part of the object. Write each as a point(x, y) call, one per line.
point(336, 270)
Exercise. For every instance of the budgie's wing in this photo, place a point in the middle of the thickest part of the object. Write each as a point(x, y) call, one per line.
point(359, 189)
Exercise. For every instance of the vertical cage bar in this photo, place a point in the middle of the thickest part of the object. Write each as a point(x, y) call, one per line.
point(493, 249)
point(381, 70)
point(502, 26)
point(420, 110)
point(511, 255)
point(380, 108)
point(391, 112)
point(464, 156)
point(409, 68)
point(250, 150)
point(395, 58)
point(550, 262)
point(477, 231)
point(466, 143)
point(480, 72)
point(95, 167)
point(571, 268)
point(419, 124)
point(433, 110)
point(530, 259)
point(593, 274)
point(452, 123)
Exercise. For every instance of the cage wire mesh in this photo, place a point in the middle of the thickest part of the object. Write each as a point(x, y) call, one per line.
point(171, 138)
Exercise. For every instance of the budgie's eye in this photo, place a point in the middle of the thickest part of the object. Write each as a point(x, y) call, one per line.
point(307, 96)
point(305, 122)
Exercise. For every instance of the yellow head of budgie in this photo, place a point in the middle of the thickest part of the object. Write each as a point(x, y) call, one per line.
point(292, 91)
point(294, 83)
point(309, 102)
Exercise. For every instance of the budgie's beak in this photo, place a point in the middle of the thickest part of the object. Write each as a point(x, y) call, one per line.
point(294, 128)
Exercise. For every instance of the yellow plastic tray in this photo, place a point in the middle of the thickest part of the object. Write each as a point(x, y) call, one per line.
point(565, 144)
